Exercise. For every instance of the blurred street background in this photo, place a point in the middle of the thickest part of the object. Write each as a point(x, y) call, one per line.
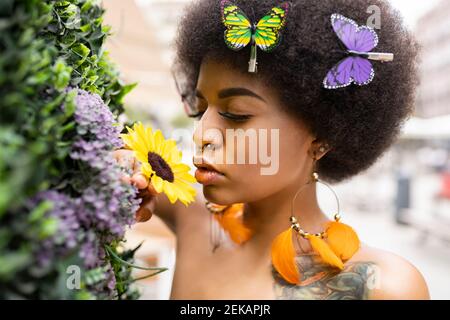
point(402, 204)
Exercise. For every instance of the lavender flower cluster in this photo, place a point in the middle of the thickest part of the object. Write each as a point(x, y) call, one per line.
point(110, 204)
point(102, 206)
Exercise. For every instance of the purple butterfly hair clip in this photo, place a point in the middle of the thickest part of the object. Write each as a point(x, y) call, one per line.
point(356, 68)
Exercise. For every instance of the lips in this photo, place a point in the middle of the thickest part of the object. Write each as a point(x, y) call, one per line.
point(207, 174)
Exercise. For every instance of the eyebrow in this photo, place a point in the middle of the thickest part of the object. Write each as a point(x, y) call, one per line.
point(233, 92)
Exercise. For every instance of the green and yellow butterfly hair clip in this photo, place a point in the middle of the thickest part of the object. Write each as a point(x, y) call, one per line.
point(241, 31)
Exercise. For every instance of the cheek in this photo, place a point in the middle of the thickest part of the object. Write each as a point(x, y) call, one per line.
point(293, 153)
point(280, 162)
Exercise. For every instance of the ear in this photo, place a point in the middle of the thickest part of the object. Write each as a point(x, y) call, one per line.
point(318, 149)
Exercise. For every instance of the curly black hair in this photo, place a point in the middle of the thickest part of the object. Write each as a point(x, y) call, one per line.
point(359, 123)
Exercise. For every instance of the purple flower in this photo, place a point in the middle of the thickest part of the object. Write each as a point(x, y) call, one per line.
point(105, 206)
point(66, 237)
point(94, 119)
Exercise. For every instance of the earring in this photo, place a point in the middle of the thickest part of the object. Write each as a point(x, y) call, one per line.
point(337, 244)
point(230, 220)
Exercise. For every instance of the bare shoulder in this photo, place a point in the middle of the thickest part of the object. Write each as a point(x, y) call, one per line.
point(371, 274)
point(393, 277)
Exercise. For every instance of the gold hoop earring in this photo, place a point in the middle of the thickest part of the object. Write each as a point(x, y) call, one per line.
point(295, 224)
point(335, 245)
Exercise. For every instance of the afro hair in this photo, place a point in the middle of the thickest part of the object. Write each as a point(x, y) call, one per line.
point(359, 123)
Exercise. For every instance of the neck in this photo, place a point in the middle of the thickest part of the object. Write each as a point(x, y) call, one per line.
point(270, 216)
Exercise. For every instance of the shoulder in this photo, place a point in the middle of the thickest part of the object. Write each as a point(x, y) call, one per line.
point(392, 277)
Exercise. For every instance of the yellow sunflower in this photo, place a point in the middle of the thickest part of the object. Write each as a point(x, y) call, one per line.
point(161, 163)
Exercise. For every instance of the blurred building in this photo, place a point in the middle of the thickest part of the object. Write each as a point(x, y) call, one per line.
point(433, 33)
point(141, 44)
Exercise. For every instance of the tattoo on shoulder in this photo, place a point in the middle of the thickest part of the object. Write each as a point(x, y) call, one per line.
point(321, 282)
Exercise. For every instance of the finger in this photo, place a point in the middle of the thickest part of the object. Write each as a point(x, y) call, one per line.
point(139, 180)
point(147, 189)
point(125, 159)
point(136, 166)
point(146, 209)
point(143, 214)
point(151, 189)
point(125, 179)
point(143, 193)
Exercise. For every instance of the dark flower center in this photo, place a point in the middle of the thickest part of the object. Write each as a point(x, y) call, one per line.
point(160, 166)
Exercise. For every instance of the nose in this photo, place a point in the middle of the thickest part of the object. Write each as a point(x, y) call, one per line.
point(207, 134)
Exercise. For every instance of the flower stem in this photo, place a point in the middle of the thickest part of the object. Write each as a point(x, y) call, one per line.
point(143, 277)
point(115, 256)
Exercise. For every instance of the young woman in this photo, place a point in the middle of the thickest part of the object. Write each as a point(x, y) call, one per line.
point(335, 128)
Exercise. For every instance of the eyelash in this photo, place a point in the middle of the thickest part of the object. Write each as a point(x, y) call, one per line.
point(226, 115)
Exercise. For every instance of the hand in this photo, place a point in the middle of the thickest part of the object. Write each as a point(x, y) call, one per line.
point(125, 158)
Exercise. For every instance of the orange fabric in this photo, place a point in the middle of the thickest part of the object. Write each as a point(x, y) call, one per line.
point(283, 257)
point(325, 252)
point(231, 221)
point(342, 239)
point(341, 244)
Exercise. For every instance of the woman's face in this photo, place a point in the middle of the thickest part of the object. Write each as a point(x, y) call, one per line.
point(256, 149)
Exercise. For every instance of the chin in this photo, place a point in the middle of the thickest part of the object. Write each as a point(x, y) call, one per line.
point(219, 195)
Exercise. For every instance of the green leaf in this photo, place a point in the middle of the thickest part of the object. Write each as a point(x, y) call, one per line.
point(82, 52)
point(125, 90)
point(73, 17)
point(13, 262)
point(62, 74)
point(40, 210)
point(48, 227)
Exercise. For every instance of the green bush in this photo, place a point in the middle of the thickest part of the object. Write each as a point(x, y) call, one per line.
point(46, 48)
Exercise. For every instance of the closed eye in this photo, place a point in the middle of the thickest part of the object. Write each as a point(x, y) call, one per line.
point(226, 115)
point(197, 116)
point(235, 117)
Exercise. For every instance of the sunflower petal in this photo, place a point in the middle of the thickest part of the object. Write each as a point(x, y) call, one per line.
point(185, 194)
point(157, 183)
point(180, 167)
point(159, 141)
point(151, 140)
point(170, 191)
point(147, 170)
point(142, 136)
point(142, 157)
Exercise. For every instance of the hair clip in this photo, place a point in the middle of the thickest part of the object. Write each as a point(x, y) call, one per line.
point(359, 42)
point(241, 31)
